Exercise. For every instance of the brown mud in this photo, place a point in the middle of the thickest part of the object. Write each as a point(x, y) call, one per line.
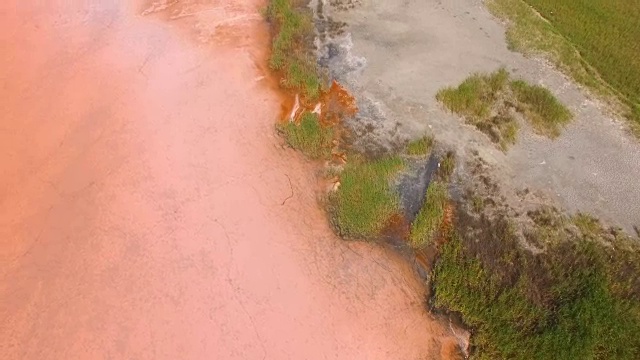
point(148, 211)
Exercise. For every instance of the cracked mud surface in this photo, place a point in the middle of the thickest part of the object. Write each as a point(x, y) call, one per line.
point(147, 211)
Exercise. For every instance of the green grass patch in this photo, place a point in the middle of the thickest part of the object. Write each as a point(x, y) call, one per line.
point(290, 49)
point(579, 299)
point(365, 200)
point(489, 102)
point(420, 147)
point(475, 97)
point(428, 223)
point(545, 113)
point(593, 41)
point(309, 136)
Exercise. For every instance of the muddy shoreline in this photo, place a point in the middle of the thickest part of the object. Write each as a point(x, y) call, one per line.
point(393, 57)
point(412, 183)
point(150, 211)
point(356, 43)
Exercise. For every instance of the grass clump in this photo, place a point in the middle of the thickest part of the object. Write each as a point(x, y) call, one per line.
point(489, 102)
point(545, 113)
point(578, 299)
point(474, 97)
point(309, 136)
point(477, 99)
point(420, 147)
point(292, 35)
point(365, 200)
point(427, 225)
point(447, 166)
point(595, 42)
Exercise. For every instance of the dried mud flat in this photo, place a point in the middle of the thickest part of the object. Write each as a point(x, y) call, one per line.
point(395, 55)
point(148, 211)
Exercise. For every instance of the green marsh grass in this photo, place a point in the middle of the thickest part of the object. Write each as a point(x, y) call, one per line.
point(538, 105)
point(292, 35)
point(429, 220)
point(474, 97)
point(489, 101)
point(420, 147)
point(365, 200)
point(578, 299)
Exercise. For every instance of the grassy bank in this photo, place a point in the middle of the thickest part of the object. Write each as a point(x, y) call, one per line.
point(427, 226)
point(578, 299)
point(308, 136)
point(365, 201)
point(292, 58)
point(593, 41)
point(292, 40)
point(489, 102)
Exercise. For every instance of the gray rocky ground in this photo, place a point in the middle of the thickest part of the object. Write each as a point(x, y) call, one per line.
point(394, 55)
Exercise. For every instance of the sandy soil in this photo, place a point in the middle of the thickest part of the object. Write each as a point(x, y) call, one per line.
point(396, 54)
point(148, 212)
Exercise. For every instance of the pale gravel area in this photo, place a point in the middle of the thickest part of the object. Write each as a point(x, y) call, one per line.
point(396, 54)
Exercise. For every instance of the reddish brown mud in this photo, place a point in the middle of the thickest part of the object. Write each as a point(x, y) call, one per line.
point(147, 211)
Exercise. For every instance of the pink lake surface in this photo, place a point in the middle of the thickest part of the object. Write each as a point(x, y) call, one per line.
point(141, 199)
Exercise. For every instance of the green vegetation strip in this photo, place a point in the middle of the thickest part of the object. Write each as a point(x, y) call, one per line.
point(292, 35)
point(310, 137)
point(579, 299)
point(428, 223)
point(365, 200)
point(488, 101)
point(593, 41)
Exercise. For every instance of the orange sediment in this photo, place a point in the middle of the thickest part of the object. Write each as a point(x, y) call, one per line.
point(335, 104)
